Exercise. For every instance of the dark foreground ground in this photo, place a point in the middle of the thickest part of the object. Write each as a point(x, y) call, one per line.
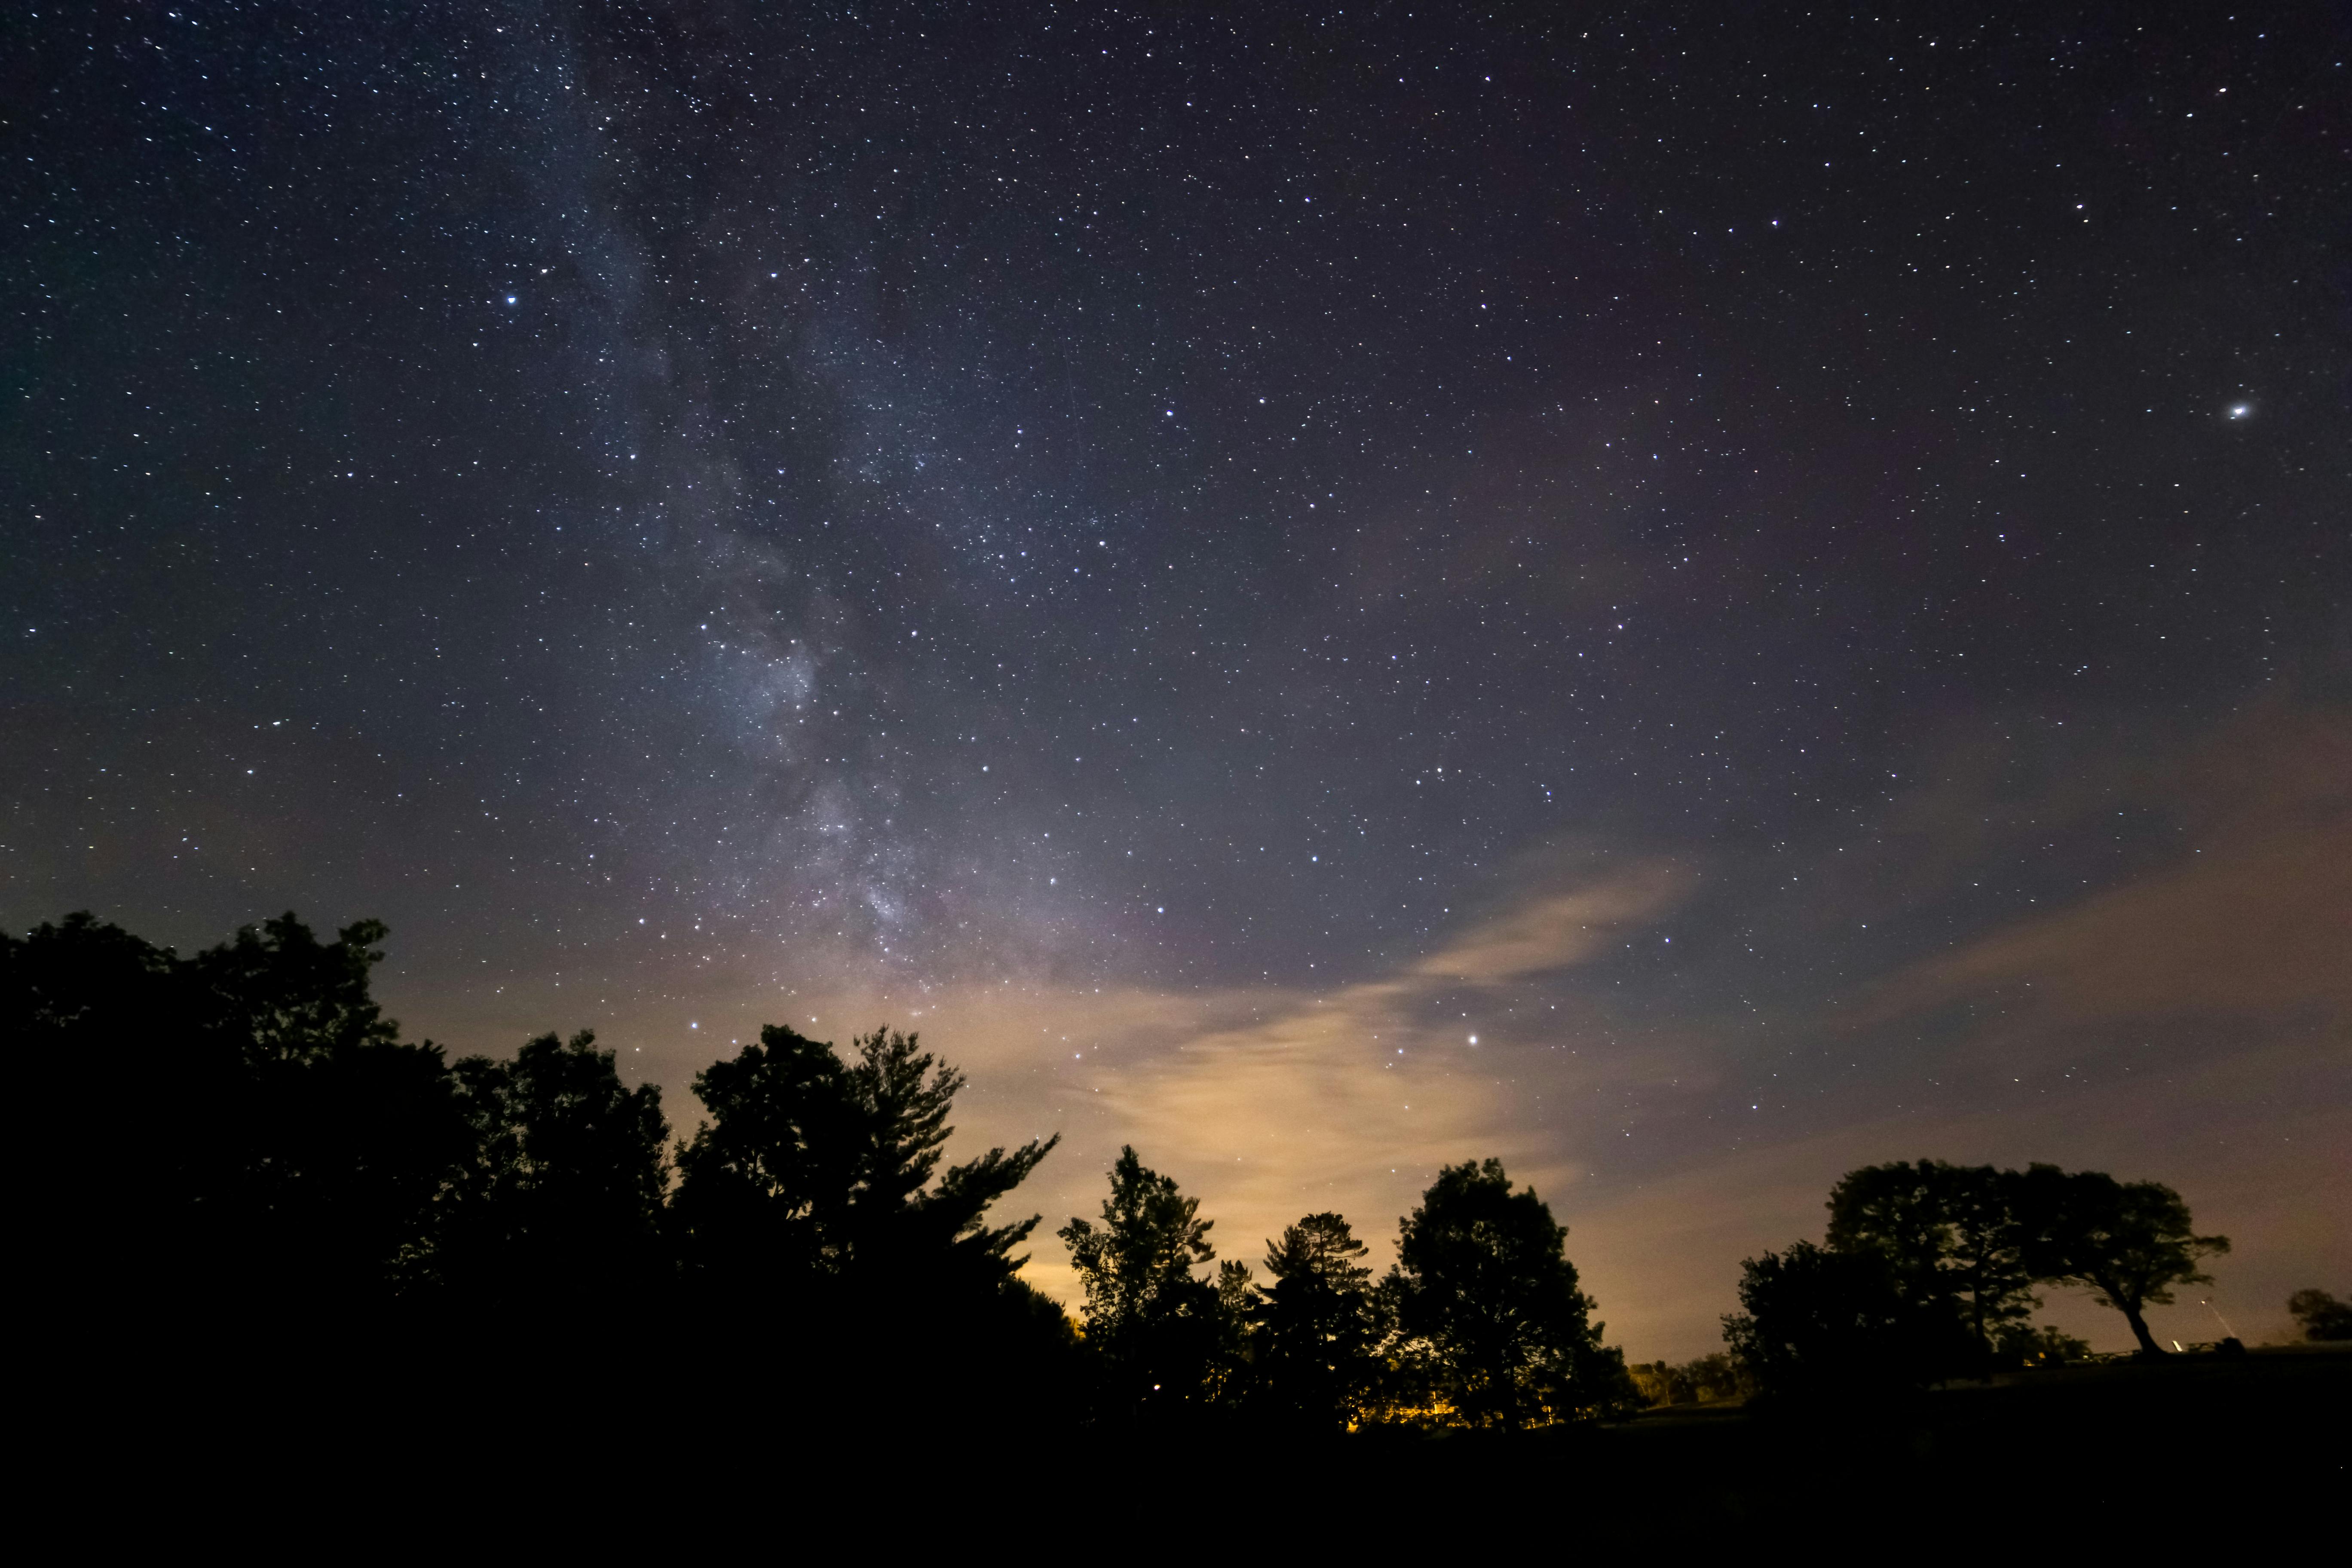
point(2115, 1463)
point(2191, 1451)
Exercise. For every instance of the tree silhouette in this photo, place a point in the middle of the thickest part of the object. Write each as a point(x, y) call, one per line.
point(863, 1279)
point(761, 1186)
point(275, 1151)
point(1153, 1320)
point(812, 1166)
point(1311, 1328)
point(343, 1135)
point(302, 1180)
point(562, 1197)
point(1822, 1325)
point(1950, 1238)
point(1485, 1299)
point(2128, 1242)
point(2323, 1317)
point(900, 1100)
point(86, 1006)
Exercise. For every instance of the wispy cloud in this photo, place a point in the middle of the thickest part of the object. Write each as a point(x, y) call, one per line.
point(1273, 1102)
point(1352, 1100)
point(1545, 932)
point(2253, 915)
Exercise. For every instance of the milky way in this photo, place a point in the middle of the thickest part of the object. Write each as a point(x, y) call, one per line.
point(1685, 597)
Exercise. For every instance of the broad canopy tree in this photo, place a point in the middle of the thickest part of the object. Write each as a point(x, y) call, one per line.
point(1929, 1270)
point(1486, 1301)
point(561, 1192)
point(1818, 1323)
point(1481, 1321)
point(1950, 1239)
point(2129, 1243)
point(343, 1135)
point(279, 1145)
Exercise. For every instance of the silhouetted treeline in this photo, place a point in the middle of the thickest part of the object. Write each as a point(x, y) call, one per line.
point(1480, 1322)
point(288, 1187)
point(1929, 1273)
point(273, 1179)
point(285, 1182)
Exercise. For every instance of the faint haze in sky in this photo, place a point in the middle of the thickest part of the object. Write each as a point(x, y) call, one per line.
point(1785, 573)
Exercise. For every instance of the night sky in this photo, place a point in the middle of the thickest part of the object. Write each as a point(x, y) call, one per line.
point(1689, 597)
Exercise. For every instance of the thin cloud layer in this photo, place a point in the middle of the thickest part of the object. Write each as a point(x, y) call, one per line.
point(2254, 916)
point(1270, 1104)
point(1551, 932)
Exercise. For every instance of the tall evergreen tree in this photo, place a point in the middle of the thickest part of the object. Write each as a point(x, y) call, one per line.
point(1153, 1321)
point(900, 1100)
point(812, 1167)
point(860, 1279)
point(1238, 1302)
point(1311, 1344)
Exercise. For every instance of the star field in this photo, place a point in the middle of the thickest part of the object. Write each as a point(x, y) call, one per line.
point(1711, 574)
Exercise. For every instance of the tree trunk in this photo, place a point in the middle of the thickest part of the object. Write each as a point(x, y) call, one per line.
point(2139, 1328)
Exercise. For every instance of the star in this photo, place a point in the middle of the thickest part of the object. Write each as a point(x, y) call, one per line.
point(812, 483)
